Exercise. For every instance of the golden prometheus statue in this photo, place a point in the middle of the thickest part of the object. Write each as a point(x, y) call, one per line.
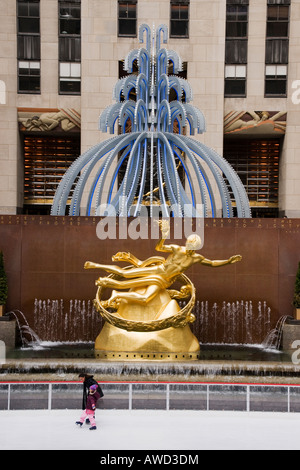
point(143, 318)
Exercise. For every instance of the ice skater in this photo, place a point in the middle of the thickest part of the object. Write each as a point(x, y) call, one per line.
point(87, 381)
point(90, 409)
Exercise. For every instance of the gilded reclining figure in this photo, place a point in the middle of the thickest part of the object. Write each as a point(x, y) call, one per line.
point(154, 273)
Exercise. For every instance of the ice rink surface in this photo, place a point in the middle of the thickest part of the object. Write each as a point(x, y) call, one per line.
point(149, 430)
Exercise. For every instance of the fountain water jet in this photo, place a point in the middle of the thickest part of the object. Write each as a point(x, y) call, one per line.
point(55, 321)
point(27, 334)
point(248, 365)
point(273, 340)
point(238, 322)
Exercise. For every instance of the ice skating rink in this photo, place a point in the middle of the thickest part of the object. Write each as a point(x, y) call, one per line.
point(149, 430)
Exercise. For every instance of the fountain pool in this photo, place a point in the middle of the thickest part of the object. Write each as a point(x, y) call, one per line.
point(218, 363)
point(85, 350)
point(39, 359)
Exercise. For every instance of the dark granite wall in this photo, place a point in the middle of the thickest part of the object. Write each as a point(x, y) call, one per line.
point(44, 258)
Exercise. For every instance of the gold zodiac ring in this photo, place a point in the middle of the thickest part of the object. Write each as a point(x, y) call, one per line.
point(178, 320)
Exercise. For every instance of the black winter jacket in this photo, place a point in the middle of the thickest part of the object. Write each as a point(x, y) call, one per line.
point(89, 380)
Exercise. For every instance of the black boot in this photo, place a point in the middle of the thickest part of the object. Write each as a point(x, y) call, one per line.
point(79, 423)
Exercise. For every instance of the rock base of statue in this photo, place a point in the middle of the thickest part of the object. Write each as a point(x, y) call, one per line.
point(170, 344)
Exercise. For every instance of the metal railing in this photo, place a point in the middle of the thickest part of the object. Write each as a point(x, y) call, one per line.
point(154, 396)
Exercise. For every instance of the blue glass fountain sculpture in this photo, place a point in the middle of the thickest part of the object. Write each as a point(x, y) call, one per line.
point(152, 161)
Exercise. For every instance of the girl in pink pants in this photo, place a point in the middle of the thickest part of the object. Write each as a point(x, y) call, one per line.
point(89, 412)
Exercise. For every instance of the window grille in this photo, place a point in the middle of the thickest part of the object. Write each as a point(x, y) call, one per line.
point(257, 164)
point(45, 161)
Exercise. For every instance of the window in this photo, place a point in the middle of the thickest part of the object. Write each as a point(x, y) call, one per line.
point(278, 21)
point(69, 46)
point(28, 46)
point(277, 51)
point(70, 49)
point(236, 47)
point(236, 51)
point(127, 16)
point(179, 23)
point(69, 18)
point(235, 80)
point(236, 21)
point(275, 80)
point(70, 74)
point(28, 17)
point(277, 47)
point(29, 76)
